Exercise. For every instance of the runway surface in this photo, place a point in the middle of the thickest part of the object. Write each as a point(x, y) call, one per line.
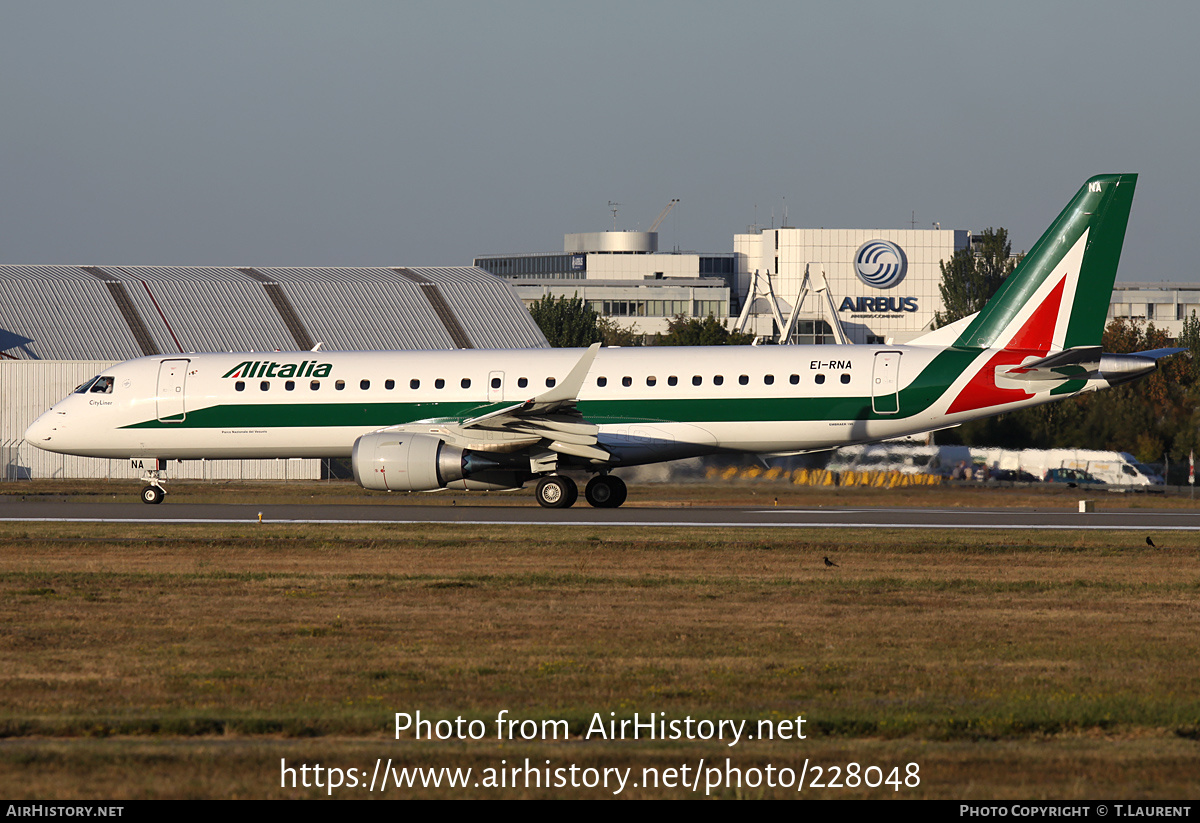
point(16, 510)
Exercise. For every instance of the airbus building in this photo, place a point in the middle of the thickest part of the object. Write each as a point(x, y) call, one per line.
point(855, 285)
point(780, 284)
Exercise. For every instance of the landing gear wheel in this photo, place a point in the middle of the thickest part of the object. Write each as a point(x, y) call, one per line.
point(605, 491)
point(153, 494)
point(556, 492)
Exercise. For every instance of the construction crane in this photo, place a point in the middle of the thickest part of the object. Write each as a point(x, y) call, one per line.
point(662, 214)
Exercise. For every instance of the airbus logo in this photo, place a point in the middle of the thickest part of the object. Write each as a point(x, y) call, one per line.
point(880, 264)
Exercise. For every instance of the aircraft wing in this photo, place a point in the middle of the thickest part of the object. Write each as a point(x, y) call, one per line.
point(551, 415)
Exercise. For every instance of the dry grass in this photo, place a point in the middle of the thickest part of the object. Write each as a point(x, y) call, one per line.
point(187, 660)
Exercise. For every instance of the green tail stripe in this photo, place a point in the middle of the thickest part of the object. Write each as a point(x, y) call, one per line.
point(1102, 205)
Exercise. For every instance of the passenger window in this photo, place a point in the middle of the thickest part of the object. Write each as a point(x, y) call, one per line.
point(697, 380)
point(820, 378)
point(601, 381)
point(522, 382)
point(672, 381)
point(314, 385)
point(364, 384)
point(290, 385)
point(744, 379)
point(650, 381)
point(439, 383)
point(466, 383)
point(845, 378)
point(769, 379)
point(495, 382)
point(339, 385)
point(240, 385)
point(414, 383)
point(389, 384)
point(550, 381)
point(795, 378)
point(626, 381)
point(265, 385)
point(718, 380)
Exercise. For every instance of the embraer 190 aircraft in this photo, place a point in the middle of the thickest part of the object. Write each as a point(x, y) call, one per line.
point(420, 421)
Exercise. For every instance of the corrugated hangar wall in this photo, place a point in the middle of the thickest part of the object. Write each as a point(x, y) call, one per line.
point(60, 325)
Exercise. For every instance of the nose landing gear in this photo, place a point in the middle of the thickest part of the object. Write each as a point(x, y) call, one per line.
point(153, 494)
point(153, 491)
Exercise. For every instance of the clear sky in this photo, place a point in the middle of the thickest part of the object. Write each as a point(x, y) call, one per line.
point(425, 133)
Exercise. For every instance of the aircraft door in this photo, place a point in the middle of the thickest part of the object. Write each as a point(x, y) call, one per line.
point(885, 383)
point(172, 375)
point(495, 386)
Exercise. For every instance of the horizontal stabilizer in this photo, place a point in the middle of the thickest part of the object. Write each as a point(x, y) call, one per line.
point(1070, 364)
point(1158, 354)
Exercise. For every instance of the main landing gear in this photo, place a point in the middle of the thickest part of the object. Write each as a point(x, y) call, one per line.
point(559, 492)
point(605, 491)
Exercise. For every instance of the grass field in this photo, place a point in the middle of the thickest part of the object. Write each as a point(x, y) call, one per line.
point(188, 661)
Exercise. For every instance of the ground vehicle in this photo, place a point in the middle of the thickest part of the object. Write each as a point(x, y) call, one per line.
point(1072, 477)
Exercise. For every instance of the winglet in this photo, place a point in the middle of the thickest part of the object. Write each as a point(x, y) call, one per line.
point(564, 392)
point(569, 388)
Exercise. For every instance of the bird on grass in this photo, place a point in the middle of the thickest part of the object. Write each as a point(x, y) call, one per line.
point(1150, 543)
point(829, 562)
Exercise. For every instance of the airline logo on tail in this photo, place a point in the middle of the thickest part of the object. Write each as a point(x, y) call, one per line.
point(1041, 309)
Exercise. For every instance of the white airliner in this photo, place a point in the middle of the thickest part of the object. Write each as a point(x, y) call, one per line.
point(417, 421)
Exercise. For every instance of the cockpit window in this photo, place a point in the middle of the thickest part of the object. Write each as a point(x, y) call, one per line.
point(97, 385)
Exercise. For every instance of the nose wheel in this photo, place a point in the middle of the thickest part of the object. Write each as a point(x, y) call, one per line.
point(605, 491)
point(152, 492)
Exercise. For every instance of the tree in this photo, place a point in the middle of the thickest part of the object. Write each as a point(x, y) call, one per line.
point(973, 275)
point(614, 334)
point(684, 331)
point(567, 322)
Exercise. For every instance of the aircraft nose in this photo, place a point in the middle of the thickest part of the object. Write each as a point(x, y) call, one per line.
point(46, 429)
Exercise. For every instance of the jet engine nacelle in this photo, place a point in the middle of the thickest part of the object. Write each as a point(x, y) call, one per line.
point(405, 461)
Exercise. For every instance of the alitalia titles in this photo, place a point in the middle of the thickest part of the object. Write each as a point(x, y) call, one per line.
point(269, 368)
